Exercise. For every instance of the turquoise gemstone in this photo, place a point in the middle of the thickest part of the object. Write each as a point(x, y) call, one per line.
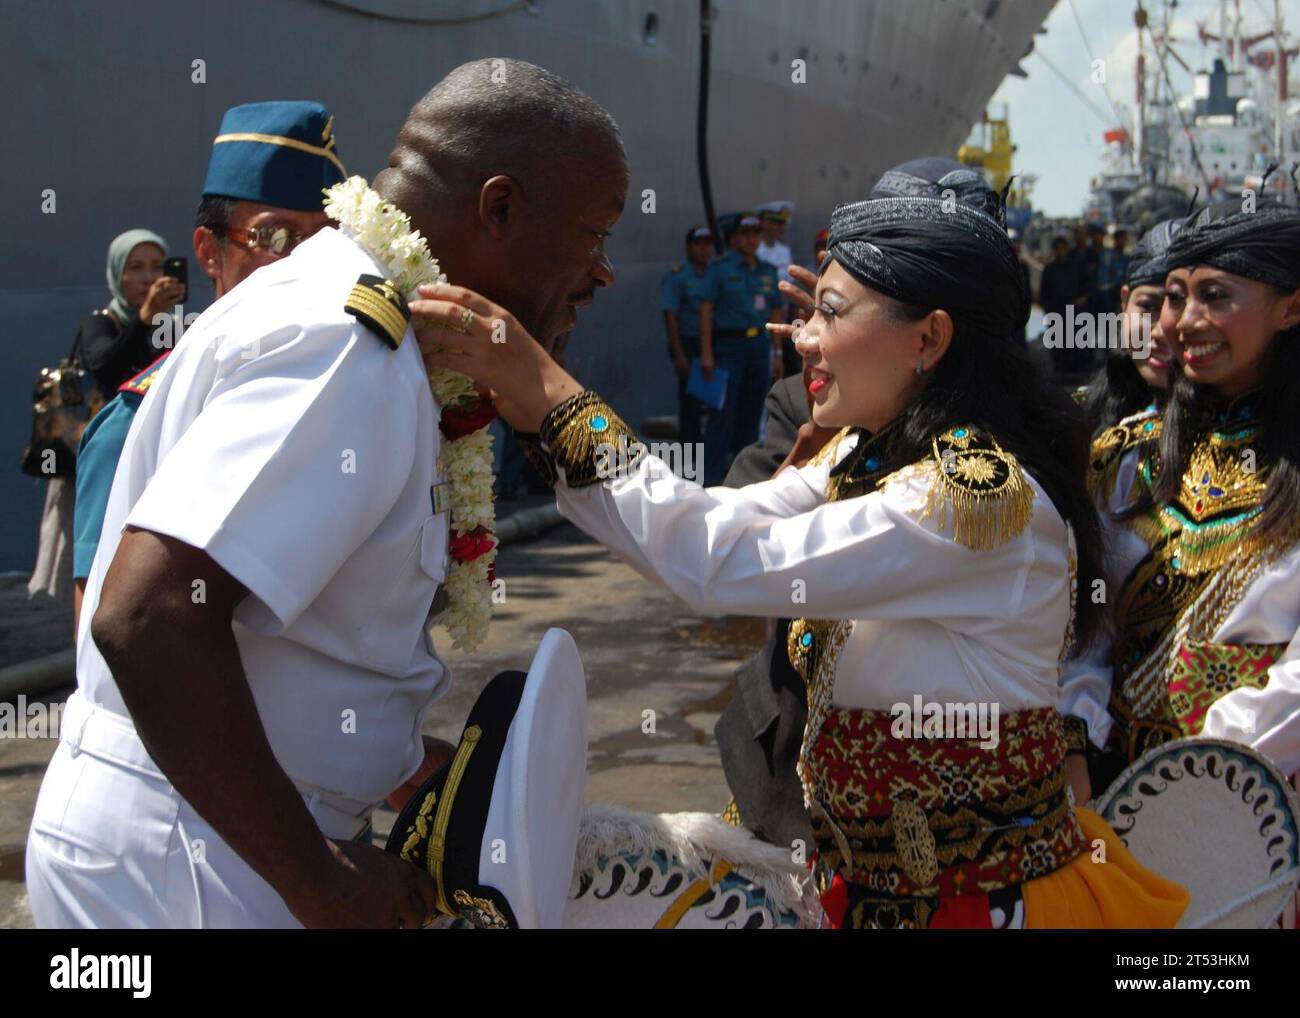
point(1149, 426)
point(599, 423)
point(959, 433)
point(806, 639)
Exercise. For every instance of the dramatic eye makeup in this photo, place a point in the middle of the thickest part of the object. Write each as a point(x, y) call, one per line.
point(830, 303)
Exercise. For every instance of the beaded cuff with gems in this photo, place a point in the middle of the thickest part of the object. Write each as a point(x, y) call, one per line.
point(1076, 734)
point(588, 441)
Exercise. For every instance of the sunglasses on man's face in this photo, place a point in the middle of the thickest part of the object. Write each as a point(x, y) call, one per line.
point(278, 240)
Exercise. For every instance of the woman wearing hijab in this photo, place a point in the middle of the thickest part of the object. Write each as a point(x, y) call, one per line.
point(113, 344)
point(930, 549)
point(1135, 380)
point(1203, 502)
point(116, 341)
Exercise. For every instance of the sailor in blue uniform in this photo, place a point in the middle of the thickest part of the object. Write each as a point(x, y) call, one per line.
point(740, 298)
point(680, 294)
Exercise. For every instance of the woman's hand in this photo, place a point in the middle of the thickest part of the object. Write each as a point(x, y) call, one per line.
point(462, 331)
point(802, 298)
point(164, 294)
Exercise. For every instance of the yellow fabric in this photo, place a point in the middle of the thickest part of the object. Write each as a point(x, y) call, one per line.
point(1120, 893)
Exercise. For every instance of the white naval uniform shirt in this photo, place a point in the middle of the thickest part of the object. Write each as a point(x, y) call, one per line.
point(931, 616)
point(1266, 719)
point(777, 255)
point(291, 444)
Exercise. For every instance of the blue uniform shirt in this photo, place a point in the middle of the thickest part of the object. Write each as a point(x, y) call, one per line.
point(743, 298)
point(101, 448)
point(680, 292)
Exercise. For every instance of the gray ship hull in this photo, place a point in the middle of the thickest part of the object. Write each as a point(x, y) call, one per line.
point(103, 110)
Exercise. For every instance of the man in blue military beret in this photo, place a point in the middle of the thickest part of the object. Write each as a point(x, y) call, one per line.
point(270, 162)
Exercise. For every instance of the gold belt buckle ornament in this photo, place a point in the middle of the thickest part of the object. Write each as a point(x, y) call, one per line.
point(915, 842)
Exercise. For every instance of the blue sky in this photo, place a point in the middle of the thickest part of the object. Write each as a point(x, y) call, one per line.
point(1059, 137)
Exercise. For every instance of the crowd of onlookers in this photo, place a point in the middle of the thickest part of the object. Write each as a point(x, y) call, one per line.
point(1084, 274)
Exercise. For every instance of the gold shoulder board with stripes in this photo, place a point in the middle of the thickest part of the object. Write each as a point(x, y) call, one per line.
point(377, 304)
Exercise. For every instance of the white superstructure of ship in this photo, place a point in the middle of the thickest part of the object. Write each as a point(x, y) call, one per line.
point(1219, 139)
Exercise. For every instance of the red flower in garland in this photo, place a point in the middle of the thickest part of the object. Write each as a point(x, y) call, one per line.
point(471, 545)
point(458, 422)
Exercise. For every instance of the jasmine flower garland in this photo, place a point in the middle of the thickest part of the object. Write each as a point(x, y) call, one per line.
point(385, 232)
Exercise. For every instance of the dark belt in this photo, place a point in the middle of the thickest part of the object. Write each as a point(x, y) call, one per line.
point(749, 333)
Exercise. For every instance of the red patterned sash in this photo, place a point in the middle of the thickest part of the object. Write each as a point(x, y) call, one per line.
point(906, 822)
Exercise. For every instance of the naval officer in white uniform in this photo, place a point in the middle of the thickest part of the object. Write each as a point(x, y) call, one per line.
point(253, 666)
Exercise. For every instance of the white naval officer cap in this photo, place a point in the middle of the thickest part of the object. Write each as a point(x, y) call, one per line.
point(497, 827)
point(778, 210)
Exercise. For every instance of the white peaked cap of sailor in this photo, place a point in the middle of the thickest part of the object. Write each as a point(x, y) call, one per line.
point(776, 206)
point(537, 799)
point(497, 827)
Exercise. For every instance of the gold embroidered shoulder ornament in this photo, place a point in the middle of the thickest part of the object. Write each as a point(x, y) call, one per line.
point(979, 487)
point(1109, 447)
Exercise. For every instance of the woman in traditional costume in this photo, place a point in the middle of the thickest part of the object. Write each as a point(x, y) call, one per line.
point(1202, 502)
point(930, 548)
point(1136, 378)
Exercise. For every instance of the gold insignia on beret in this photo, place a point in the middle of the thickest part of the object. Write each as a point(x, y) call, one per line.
point(379, 306)
point(980, 486)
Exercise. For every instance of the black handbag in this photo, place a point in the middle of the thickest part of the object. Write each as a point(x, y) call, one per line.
point(64, 399)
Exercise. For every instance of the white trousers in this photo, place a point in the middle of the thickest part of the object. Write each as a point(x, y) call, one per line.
point(112, 844)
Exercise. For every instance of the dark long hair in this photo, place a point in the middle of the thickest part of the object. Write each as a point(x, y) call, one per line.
point(1117, 391)
point(1192, 408)
point(990, 382)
